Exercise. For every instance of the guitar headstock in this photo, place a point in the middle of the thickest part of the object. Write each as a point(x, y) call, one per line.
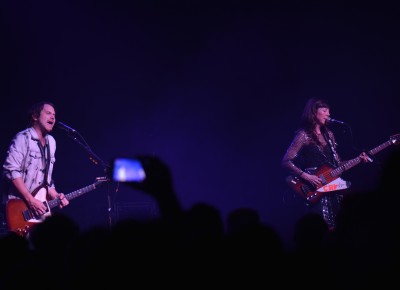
point(395, 139)
point(101, 179)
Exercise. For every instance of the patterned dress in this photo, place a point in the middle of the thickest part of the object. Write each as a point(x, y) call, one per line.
point(307, 152)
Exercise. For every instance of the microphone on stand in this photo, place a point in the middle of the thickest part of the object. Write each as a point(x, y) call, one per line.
point(65, 127)
point(331, 120)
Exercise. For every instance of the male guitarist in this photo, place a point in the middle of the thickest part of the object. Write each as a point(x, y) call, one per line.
point(312, 148)
point(29, 163)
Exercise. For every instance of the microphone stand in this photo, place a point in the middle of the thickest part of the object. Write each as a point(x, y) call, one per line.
point(77, 137)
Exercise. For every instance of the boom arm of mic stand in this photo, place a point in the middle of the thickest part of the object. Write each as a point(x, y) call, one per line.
point(96, 160)
point(92, 156)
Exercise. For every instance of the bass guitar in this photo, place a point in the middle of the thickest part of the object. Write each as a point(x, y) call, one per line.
point(20, 219)
point(330, 176)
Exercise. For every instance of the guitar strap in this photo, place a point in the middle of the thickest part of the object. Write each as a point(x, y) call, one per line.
point(332, 147)
point(43, 150)
point(47, 161)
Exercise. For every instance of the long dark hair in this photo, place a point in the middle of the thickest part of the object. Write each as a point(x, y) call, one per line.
point(309, 119)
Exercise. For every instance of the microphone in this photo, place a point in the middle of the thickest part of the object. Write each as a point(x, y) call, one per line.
point(331, 120)
point(65, 127)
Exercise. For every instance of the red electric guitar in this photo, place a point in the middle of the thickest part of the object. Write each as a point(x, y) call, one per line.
point(331, 176)
point(21, 220)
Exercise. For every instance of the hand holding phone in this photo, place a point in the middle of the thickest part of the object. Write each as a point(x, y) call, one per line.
point(128, 170)
point(144, 172)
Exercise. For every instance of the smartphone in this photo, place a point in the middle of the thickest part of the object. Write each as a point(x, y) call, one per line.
point(128, 170)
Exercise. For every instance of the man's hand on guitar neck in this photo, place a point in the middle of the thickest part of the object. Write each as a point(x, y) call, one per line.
point(63, 201)
point(55, 195)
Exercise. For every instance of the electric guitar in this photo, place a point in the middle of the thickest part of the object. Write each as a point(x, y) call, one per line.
point(330, 176)
point(20, 219)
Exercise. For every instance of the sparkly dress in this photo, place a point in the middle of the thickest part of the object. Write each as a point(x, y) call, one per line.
point(310, 151)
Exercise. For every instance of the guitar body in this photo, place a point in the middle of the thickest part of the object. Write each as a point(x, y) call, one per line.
point(330, 176)
point(312, 194)
point(19, 218)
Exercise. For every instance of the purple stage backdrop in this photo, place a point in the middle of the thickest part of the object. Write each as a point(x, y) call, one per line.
point(214, 88)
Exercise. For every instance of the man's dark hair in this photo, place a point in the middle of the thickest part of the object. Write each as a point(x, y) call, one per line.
point(35, 109)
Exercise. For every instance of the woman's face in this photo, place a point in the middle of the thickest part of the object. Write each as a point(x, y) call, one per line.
point(322, 115)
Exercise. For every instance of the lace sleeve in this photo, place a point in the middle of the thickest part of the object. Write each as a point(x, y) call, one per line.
point(294, 148)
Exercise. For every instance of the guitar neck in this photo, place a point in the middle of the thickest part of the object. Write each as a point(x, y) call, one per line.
point(353, 162)
point(380, 147)
point(55, 202)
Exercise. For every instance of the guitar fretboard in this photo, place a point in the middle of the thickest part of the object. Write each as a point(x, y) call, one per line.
point(55, 202)
point(353, 162)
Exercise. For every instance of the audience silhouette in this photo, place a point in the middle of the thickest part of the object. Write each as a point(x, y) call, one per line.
point(362, 251)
